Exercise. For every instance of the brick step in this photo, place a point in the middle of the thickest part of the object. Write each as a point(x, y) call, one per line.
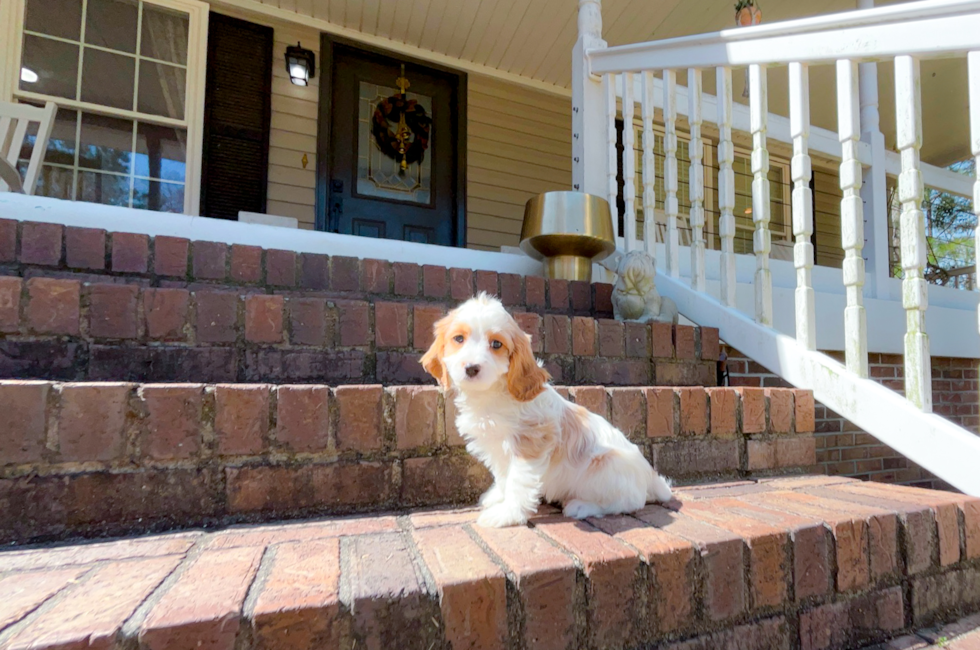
point(64, 329)
point(815, 563)
point(90, 459)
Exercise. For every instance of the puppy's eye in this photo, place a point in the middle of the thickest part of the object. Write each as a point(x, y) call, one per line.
point(458, 338)
point(496, 345)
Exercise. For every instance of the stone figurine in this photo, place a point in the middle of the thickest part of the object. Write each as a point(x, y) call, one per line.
point(634, 295)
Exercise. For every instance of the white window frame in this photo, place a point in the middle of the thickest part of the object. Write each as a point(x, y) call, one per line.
point(12, 14)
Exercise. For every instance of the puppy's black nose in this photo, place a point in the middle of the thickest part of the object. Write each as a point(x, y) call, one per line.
point(472, 371)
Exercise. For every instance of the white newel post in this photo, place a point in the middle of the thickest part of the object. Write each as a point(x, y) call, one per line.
point(589, 135)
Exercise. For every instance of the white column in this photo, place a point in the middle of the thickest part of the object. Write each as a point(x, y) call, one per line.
point(670, 172)
point(761, 239)
point(589, 135)
point(973, 74)
point(9, 72)
point(801, 170)
point(649, 167)
point(629, 165)
point(726, 185)
point(696, 179)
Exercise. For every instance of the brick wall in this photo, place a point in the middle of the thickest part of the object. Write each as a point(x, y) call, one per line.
point(109, 458)
point(845, 449)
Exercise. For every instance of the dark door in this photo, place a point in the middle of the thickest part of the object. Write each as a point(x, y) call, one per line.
point(390, 163)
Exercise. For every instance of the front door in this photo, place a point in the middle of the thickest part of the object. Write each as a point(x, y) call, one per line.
point(390, 155)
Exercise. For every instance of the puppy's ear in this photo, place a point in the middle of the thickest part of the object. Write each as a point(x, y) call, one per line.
point(432, 359)
point(525, 379)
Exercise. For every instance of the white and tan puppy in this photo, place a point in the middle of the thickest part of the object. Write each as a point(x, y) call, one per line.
point(534, 441)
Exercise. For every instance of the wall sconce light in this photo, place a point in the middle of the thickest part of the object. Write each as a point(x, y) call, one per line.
point(300, 64)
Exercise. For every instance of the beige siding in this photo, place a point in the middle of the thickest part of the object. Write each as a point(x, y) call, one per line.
point(826, 218)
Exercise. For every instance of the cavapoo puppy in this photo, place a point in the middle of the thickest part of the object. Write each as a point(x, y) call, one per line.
point(534, 442)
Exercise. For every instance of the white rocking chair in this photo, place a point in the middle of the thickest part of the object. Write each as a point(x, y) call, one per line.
point(14, 122)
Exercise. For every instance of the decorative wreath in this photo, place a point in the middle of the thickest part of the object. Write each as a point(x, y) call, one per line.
point(418, 122)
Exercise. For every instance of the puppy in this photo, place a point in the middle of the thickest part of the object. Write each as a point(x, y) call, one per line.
point(534, 442)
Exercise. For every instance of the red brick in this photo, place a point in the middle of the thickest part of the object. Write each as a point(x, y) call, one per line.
point(546, 583)
point(173, 420)
point(303, 422)
point(298, 606)
point(354, 324)
point(709, 343)
point(209, 260)
point(85, 248)
point(170, 256)
point(217, 316)
point(302, 531)
point(416, 416)
point(611, 338)
point(359, 426)
point(453, 436)
point(23, 427)
point(443, 479)
point(112, 310)
point(629, 412)
point(435, 281)
point(22, 593)
point(53, 306)
point(583, 336)
point(376, 276)
point(662, 341)
point(87, 554)
point(557, 334)
point(534, 291)
point(511, 289)
point(92, 421)
point(203, 606)
point(581, 295)
point(603, 298)
point(118, 589)
point(800, 451)
point(486, 281)
point(406, 278)
point(662, 412)
point(558, 295)
point(425, 318)
point(280, 268)
point(165, 311)
point(314, 271)
point(391, 324)
point(530, 324)
point(761, 455)
point(637, 340)
point(40, 243)
point(693, 411)
point(8, 240)
point(724, 411)
point(611, 570)
point(263, 318)
point(684, 341)
point(781, 409)
point(10, 290)
point(594, 398)
point(130, 252)
point(241, 418)
point(307, 321)
point(753, 409)
point(461, 284)
point(246, 263)
point(472, 590)
point(345, 274)
point(804, 409)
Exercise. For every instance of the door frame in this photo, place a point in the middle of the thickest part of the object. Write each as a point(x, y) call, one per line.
point(325, 115)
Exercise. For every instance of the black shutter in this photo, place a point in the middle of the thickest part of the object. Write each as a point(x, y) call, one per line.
point(237, 114)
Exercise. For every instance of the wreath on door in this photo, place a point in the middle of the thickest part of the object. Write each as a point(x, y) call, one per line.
point(408, 143)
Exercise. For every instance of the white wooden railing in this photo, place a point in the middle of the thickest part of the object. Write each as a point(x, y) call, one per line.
point(854, 41)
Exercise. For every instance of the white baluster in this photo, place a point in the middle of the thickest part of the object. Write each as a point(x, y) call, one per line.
point(761, 240)
point(726, 185)
point(915, 295)
point(799, 119)
point(649, 168)
point(629, 165)
point(973, 66)
point(612, 190)
point(852, 218)
point(670, 171)
point(696, 179)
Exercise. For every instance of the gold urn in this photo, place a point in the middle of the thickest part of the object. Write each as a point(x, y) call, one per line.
point(568, 231)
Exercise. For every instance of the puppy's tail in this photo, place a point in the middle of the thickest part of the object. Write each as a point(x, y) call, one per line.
point(658, 488)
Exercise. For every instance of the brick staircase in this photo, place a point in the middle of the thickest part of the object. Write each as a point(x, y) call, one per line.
point(245, 399)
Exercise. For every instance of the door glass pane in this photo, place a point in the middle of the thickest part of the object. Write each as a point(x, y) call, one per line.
point(106, 144)
point(162, 89)
point(160, 152)
point(49, 67)
point(112, 24)
point(107, 79)
point(380, 173)
point(61, 18)
point(157, 195)
point(103, 188)
point(164, 34)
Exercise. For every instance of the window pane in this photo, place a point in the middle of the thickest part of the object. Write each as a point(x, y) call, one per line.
point(62, 18)
point(107, 79)
point(154, 195)
point(103, 188)
point(106, 144)
point(112, 24)
point(160, 152)
point(55, 182)
point(162, 90)
point(164, 34)
point(61, 144)
point(55, 64)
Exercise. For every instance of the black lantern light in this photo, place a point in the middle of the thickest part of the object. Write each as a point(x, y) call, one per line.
point(300, 64)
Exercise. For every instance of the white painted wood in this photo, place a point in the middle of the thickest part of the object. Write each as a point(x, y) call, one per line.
point(612, 187)
point(973, 74)
point(15, 120)
point(670, 170)
point(761, 238)
point(852, 218)
point(267, 220)
point(590, 161)
point(874, 186)
point(649, 166)
point(800, 172)
point(908, 119)
point(696, 179)
point(937, 178)
point(629, 165)
point(726, 185)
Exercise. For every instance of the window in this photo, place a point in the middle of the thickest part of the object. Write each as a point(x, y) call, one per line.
point(124, 76)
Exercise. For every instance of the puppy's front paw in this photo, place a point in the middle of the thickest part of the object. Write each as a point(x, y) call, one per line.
point(501, 515)
point(492, 497)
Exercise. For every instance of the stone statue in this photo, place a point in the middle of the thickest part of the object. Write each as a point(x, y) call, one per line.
point(635, 296)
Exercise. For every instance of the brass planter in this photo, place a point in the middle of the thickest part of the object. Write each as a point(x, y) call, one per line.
point(568, 231)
